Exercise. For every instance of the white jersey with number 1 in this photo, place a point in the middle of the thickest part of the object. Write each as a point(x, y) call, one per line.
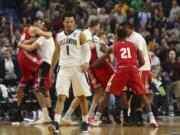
point(70, 48)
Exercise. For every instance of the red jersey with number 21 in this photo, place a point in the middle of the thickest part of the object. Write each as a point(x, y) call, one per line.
point(125, 54)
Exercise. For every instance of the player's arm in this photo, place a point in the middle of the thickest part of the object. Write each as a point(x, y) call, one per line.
point(30, 41)
point(103, 47)
point(140, 57)
point(30, 47)
point(55, 56)
point(86, 50)
point(40, 32)
point(101, 59)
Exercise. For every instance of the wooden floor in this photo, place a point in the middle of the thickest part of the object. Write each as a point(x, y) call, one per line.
point(168, 126)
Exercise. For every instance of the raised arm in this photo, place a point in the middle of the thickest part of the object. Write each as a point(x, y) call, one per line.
point(40, 32)
point(101, 59)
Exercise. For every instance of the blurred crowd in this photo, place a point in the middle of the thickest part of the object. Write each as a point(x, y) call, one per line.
point(157, 20)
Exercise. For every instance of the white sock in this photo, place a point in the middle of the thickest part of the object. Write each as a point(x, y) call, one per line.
point(69, 113)
point(57, 118)
point(92, 108)
point(85, 118)
point(97, 116)
point(45, 112)
point(151, 116)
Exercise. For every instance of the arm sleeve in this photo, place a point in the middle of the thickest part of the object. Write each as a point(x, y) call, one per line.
point(87, 52)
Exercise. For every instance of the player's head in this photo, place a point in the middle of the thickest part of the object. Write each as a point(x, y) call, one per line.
point(94, 24)
point(69, 21)
point(121, 34)
point(36, 22)
point(150, 42)
point(128, 27)
point(47, 25)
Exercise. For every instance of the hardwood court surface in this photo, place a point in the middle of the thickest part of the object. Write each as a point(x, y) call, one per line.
point(168, 126)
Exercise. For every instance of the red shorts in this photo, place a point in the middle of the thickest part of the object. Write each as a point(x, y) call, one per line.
point(146, 78)
point(125, 76)
point(47, 82)
point(99, 77)
point(29, 64)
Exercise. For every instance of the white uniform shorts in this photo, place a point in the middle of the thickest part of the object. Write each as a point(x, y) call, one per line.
point(68, 75)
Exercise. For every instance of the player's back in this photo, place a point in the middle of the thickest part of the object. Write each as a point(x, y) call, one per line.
point(125, 53)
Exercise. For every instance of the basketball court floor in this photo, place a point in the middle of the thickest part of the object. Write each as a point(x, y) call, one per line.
point(168, 126)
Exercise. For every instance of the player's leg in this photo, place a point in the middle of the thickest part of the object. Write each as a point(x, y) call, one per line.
point(81, 90)
point(66, 120)
point(136, 84)
point(62, 86)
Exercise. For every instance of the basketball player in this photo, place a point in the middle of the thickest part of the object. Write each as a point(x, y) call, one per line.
point(45, 48)
point(74, 53)
point(144, 72)
point(29, 62)
point(127, 56)
point(97, 79)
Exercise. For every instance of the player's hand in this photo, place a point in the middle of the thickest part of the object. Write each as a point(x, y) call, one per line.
point(51, 76)
point(84, 67)
point(19, 44)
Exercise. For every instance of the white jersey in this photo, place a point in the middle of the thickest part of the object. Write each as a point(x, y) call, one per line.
point(71, 50)
point(46, 48)
point(88, 34)
point(138, 40)
point(94, 39)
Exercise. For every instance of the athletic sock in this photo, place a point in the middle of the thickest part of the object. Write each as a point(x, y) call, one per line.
point(97, 116)
point(69, 113)
point(57, 118)
point(92, 108)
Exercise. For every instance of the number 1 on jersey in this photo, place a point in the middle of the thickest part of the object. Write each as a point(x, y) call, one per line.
point(125, 53)
point(67, 49)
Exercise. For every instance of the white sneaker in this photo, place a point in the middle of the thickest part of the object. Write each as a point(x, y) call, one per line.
point(95, 123)
point(68, 122)
point(153, 123)
point(43, 120)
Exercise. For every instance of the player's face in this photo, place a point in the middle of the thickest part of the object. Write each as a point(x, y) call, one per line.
point(69, 23)
point(39, 24)
point(97, 28)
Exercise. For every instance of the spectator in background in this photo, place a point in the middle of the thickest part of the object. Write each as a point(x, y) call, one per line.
point(175, 11)
point(144, 15)
point(137, 5)
point(172, 67)
point(9, 69)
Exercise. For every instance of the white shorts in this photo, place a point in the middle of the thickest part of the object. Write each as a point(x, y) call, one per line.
point(68, 75)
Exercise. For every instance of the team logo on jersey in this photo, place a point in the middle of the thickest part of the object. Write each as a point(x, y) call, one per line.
point(74, 34)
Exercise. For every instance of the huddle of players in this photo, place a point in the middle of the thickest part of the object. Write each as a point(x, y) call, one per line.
point(79, 52)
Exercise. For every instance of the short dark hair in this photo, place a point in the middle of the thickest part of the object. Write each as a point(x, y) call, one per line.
point(68, 14)
point(93, 22)
point(126, 24)
point(48, 25)
point(149, 38)
point(34, 19)
point(121, 33)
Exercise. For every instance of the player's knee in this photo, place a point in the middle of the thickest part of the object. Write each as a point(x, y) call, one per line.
point(61, 98)
point(82, 99)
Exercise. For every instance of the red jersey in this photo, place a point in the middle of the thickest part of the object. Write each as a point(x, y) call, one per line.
point(25, 34)
point(125, 54)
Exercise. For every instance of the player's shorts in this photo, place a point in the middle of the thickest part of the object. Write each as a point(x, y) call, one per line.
point(47, 82)
point(146, 78)
point(68, 75)
point(29, 64)
point(125, 76)
point(99, 77)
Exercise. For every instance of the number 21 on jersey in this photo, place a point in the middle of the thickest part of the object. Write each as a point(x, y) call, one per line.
point(125, 53)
